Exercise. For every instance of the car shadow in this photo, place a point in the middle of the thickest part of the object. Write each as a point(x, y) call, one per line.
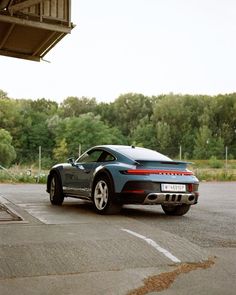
point(134, 211)
point(143, 211)
point(150, 212)
point(72, 206)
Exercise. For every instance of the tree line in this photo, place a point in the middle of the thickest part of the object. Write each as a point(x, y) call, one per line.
point(200, 125)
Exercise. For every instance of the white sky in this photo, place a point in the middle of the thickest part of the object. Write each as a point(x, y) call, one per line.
point(151, 47)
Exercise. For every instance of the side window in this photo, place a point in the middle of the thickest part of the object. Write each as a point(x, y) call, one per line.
point(109, 157)
point(106, 157)
point(92, 156)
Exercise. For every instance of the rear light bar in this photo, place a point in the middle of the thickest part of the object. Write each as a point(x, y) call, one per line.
point(151, 171)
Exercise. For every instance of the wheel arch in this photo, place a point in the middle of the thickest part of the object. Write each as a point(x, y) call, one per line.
point(50, 175)
point(103, 172)
point(113, 205)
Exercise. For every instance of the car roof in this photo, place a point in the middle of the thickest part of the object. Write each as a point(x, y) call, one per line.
point(137, 153)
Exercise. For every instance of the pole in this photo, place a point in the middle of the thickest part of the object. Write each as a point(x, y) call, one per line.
point(180, 152)
point(226, 157)
point(40, 161)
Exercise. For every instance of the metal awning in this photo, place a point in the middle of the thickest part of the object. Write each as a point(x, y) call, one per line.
point(30, 28)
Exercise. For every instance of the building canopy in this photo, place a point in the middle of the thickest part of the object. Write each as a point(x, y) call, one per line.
point(29, 29)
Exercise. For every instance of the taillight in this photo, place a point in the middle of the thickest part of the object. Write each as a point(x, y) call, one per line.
point(156, 171)
point(192, 187)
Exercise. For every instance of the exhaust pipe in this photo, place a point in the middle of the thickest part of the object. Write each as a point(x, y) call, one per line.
point(160, 198)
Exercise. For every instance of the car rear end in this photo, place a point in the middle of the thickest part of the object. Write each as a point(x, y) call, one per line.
point(160, 182)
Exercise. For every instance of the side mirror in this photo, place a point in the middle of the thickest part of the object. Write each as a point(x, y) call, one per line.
point(71, 161)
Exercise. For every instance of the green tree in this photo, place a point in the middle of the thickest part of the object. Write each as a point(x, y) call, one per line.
point(172, 121)
point(184, 114)
point(35, 131)
point(144, 134)
point(224, 118)
point(128, 110)
point(202, 125)
point(60, 152)
point(87, 130)
point(207, 146)
point(7, 151)
point(106, 112)
point(74, 106)
point(10, 116)
point(3, 94)
point(12, 120)
point(163, 137)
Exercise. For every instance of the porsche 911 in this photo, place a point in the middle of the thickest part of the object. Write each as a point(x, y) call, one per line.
point(110, 176)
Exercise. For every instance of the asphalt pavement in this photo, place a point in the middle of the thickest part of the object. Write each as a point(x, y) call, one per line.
point(70, 249)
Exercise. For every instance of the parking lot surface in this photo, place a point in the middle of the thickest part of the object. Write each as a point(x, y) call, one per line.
point(71, 250)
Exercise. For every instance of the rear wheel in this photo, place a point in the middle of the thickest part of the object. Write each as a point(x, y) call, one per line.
point(103, 196)
point(178, 210)
point(55, 192)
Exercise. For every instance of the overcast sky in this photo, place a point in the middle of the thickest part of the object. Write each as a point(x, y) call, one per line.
point(151, 47)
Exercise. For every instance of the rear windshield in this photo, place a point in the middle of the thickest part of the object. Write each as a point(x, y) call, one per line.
point(138, 153)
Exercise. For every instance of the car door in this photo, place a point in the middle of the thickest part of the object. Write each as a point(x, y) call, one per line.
point(79, 174)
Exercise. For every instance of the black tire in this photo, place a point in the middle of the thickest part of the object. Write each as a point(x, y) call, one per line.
point(55, 191)
point(103, 196)
point(178, 210)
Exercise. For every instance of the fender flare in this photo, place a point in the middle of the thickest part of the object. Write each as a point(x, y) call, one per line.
point(100, 172)
point(53, 171)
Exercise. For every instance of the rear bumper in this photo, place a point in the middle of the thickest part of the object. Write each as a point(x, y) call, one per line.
point(149, 193)
point(153, 198)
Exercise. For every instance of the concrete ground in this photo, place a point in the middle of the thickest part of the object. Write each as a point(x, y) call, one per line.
point(72, 250)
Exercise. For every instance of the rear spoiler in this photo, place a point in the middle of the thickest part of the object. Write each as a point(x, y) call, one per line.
point(164, 162)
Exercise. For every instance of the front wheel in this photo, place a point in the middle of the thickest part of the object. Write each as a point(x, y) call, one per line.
point(178, 210)
point(55, 192)
point(103, 196)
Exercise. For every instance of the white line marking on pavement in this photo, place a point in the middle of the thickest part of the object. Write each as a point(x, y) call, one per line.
point(153, 244)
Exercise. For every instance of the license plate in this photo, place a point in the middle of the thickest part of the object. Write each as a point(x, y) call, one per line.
point(170, 187)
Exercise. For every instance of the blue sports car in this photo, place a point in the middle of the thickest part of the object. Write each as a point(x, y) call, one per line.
point(112, 175)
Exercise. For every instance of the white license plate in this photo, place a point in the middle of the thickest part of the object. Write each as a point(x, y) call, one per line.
point(170, 187)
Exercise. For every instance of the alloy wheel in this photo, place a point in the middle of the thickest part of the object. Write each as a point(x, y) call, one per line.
point(101, 195)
